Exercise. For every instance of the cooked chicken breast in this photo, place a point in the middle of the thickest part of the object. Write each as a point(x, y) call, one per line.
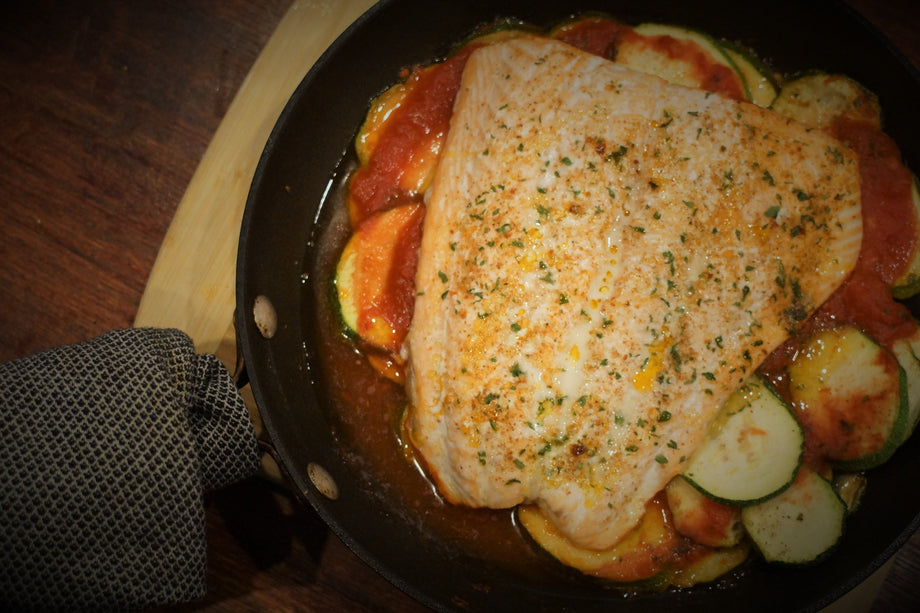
point(605, 258)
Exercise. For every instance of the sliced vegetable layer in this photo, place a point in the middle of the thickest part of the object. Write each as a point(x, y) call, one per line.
point(908, 282)
point(761, 82)
point(653, 550)
point(799, 526)
point(682, 56)
point(854, 400)
point(701, 518)
point(753, 449)
point(374, 272)
point(852, 397)
point(820, 99)
point(907, 352)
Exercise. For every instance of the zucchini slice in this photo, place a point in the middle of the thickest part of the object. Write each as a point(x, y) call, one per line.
point(641, 554)
point(381, 108)
point(752, 450)
point(711, 565)
point(908, 283)
point(761, 83)
point(820, 99)
point(701, 518)
point(673, 53)
point(907, 352)
point(645, 554)
point(373, 274)
point(852, 395)
point(850, 487)
point(801, 525)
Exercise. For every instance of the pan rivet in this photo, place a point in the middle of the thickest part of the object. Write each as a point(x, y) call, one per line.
point(323, 481)
point(265, 317)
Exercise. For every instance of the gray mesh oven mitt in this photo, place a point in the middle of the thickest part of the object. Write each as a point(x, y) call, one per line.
point(106, 450)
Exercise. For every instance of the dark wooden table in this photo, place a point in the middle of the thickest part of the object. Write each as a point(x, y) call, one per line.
point(106, 107)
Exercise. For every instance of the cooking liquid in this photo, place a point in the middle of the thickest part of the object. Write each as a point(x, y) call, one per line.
point(366, 409)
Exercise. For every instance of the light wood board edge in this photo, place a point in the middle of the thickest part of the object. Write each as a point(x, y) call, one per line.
point(191, 285)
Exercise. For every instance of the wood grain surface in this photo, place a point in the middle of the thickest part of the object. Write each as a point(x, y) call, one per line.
point(109, 111)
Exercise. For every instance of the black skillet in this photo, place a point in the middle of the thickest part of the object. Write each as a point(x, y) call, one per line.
point(293, 203)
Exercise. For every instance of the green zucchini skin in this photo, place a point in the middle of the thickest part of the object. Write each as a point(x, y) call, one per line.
point(907, 352)
point(898, 433)
point(762, 85)
point(908, 283)
point(850, 487)
point(752, 451)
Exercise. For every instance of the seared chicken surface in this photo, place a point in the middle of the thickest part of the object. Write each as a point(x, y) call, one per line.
point(605, 258)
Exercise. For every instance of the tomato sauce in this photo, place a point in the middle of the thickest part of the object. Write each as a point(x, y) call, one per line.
point(386, 284)
point(888, 214)
point(422, 117)
point(889, 227)
point(714, 77)
point(597, 36)
point(401, 301)
point(714, 522)
point(602, 37)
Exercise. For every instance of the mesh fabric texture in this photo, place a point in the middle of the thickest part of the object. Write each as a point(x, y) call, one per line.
point(106, 450)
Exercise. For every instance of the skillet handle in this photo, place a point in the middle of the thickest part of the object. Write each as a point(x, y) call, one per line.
point(274, 472)
point(271, 468)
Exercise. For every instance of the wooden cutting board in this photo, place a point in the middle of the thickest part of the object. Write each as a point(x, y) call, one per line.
point(191, 286)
